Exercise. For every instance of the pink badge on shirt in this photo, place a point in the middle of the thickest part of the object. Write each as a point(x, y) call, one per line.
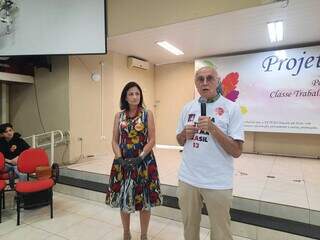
point(219, 111)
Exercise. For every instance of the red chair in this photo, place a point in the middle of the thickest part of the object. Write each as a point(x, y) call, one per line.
point(27, 163)
point(2, 185)
point(4, 175)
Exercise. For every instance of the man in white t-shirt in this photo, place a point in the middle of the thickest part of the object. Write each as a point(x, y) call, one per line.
point(210, 143)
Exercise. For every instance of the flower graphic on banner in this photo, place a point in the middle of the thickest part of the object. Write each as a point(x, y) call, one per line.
point(229, 91)
point(243, 110)
point(209, 63)
point(229, 85)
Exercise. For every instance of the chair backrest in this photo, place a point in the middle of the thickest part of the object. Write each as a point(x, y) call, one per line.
point(32, 158)
point(1, 161)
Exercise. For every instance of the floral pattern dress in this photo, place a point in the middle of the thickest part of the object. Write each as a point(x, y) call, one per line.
point(138, 188)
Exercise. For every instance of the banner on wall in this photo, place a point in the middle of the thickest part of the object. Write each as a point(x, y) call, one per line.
point(278, 91)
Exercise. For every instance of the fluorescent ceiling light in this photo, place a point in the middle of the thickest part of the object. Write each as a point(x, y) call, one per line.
point(272, 32)
point(169, 47)
point(275, 31)
point(279, 29)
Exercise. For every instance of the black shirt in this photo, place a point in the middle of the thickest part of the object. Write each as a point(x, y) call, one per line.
point(14, 147)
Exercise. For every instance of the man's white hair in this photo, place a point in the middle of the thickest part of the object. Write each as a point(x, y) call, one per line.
point(214, 71)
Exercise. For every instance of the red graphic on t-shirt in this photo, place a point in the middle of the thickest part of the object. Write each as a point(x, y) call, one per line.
point(13, 148)
point(191, 117)
point(219, 111)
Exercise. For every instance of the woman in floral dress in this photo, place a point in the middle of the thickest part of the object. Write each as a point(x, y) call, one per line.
point(134, 181)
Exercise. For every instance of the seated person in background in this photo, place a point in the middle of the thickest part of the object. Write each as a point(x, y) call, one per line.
point(11, 146)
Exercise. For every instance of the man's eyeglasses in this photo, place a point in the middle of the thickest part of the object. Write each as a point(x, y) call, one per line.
point(209, 79)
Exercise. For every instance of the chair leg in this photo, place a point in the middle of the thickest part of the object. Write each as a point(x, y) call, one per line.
point(3, 200)
point(18, 209)
point(51, 203)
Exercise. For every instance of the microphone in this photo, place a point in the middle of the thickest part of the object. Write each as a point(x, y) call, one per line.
point(203, 104)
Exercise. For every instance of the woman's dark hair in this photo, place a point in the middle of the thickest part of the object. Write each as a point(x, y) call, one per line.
point(124, 105)
point(4, 126)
